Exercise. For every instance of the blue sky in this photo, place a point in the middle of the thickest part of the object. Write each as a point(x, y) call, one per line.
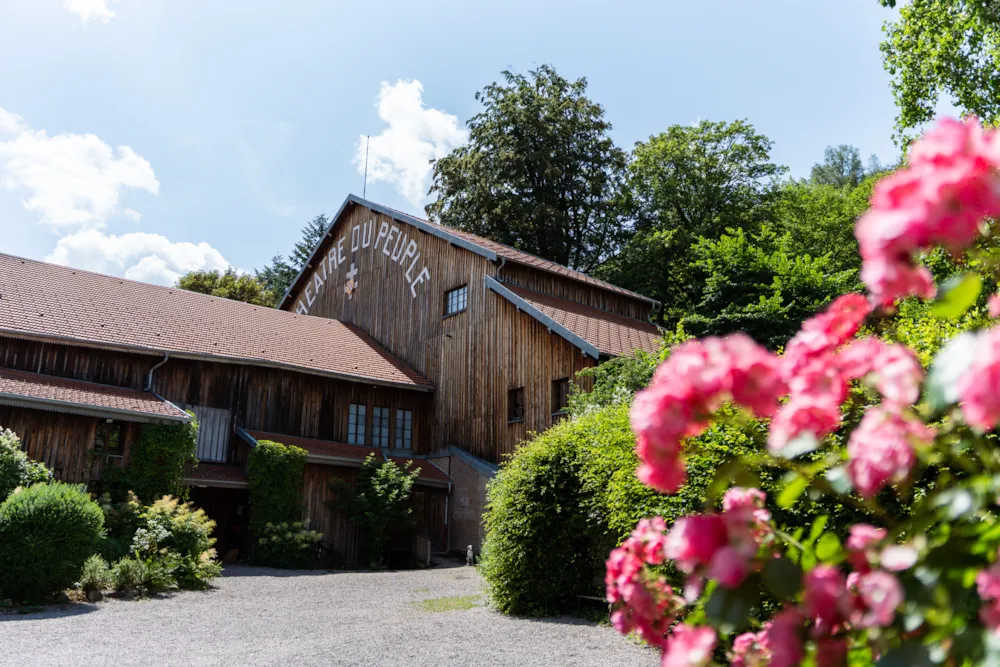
point(150, 137)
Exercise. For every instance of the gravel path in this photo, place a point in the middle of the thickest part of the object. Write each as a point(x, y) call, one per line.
point(257, 616)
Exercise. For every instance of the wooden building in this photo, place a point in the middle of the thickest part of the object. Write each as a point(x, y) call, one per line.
point(401, 337)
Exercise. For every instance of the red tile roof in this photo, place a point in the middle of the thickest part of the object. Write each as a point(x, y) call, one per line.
point(611, 334)
point(49, 301)
point(319, 447)
point(207, 474)
point(60, 395)
point(428, 471)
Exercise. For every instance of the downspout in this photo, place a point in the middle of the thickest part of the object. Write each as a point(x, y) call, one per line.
point(447, 523)
point(149, 378)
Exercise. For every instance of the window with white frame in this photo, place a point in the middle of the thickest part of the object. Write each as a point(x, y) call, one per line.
point(380, 427)
point(456, 300)
point(404, 429)
point(356, 424)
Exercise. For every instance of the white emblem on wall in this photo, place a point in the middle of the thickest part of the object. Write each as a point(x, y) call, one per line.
point(396, 244)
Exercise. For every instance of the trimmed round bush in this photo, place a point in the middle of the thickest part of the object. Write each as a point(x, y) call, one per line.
point(47, 531)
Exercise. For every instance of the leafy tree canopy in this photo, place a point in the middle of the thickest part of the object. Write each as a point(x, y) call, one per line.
point(842, 167)
point(686, 183)
point(943, 46)
point(228, 285)
point(539, 173)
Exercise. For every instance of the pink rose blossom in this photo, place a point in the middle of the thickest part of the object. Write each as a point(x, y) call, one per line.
point(988, 587)
point(880, 449)
point(688, 646)
point(803, 416)
point(750, 650)
point(980, 400)
point(879, 594)
point(994, 306)
point(784, 639)
point(741, 498)
point(861, 543)
point(825, 599)
point(824, 333)
point(898, 557)
point(892, 369)
point(729, 567)
point(831, 652)
point(694, 540)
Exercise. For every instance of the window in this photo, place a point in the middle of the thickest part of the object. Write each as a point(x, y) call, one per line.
point(560, 398)
point(404, 429)
point(515, 405)
point(380, 427)
point(110, 439)
point(214, 428)
point(356, 424)
point(456, 300)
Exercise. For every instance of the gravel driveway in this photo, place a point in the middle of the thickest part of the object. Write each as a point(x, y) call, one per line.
point(257, 616)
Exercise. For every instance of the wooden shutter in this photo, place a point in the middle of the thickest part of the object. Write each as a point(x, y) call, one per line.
point(213, 433)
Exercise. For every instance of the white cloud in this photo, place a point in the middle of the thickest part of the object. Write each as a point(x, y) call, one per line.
point(139, 256)
point(132, 214)
point(72, 180)
point(91, 9)
point(415, 135)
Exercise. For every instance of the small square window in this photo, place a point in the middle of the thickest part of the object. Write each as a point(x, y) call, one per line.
point(404, 429)
point(380, 427)
point(356, 424)
point(109, 439)
point(456, 300)
point(515, 405)
point(560, 398)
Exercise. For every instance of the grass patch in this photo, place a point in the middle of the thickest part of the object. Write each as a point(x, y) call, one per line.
point(457, 603)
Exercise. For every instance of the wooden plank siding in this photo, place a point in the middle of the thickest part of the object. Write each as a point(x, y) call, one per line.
point(474, 357)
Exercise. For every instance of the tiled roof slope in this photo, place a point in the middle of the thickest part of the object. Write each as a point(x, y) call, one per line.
point(614, 335)
point(45, 300)
point(428, 471)
point(52, 393)
point(521, 257)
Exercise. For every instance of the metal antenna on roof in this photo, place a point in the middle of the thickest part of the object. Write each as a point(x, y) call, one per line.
point(364, 188)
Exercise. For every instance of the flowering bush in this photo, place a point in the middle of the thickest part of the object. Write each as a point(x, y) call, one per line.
point(291, 546)
point(919, 588)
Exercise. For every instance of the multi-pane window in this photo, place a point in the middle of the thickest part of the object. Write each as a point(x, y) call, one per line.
point(356, 424)
point(515, 405)
point(380, 427)
point(456, 300)
point(109, 439)
point(404, 429)
point(560, 398)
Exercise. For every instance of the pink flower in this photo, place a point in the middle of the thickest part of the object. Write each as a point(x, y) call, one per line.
point(861, 543)
point(687, 388)
point(694, 540)
point(939, 199)
point(824, 333)
point(784, 639)
point(980, 401)
point(831, 652)
point(994, 306)
point(988, 587)
point(879, 594)
point(880, 449)
point(741, 498)
point(750, 650)
point(729, 567)
point(891, 368)
point(689, 646)
point(898, 557)
point(825, 599)
point(803, 416)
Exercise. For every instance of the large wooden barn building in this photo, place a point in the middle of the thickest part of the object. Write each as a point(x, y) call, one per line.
point(400, 337)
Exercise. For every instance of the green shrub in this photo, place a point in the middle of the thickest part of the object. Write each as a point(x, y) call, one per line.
point(291, 546)
point(47, 531)
point(95, 575)
point(538, 554)
point(16, 469)
point(378, 502)
point(128, 576)
point(176, 543)
point(121, 520)
point(275, 474)
point(156, 462)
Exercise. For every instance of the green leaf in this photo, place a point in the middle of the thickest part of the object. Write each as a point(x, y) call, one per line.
point(817, 528)
point(958, 294)
point(907, 654)
point(782, 577)
point(828, 547)
point(729, 608)
point(793, 489)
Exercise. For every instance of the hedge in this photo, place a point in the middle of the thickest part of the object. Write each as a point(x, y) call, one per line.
point(16, 469)
point(275, 473)
point(156, 462)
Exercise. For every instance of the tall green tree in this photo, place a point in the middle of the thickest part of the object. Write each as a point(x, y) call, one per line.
point(842, 167)
point(949, 47)
point(277, 276)
point(683, 184)
point(228, 285)
point(540, 171)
